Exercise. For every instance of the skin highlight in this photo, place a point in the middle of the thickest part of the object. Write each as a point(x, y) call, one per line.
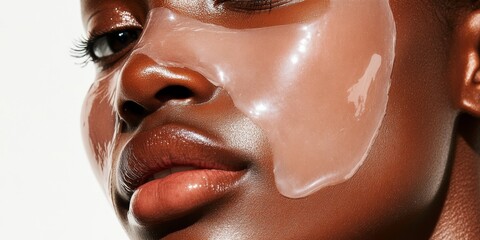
point(420, 180)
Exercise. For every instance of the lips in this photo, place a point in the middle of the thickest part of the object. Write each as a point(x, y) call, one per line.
point(170, 171)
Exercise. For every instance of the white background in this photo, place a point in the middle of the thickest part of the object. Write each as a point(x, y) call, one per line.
point(47, 190)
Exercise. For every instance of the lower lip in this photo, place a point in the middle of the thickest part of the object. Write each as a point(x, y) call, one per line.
point(180, 193)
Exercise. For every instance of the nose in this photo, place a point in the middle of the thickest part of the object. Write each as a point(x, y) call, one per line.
point(145, 86)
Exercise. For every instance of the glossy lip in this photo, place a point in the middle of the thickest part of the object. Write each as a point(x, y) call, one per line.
point(170, 146)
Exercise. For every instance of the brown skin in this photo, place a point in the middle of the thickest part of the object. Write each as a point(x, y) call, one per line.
point(421, 179)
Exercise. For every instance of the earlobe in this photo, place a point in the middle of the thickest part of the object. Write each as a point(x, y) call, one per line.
point(465, 64)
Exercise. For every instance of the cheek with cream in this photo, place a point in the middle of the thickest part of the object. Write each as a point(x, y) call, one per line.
point(318, 89)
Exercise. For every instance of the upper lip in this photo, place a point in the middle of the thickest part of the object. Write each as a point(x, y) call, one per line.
point(150, 152)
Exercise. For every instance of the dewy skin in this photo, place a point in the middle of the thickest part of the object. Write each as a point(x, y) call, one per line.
point(318, 88)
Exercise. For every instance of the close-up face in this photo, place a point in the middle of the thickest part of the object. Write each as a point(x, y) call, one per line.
point(238, 119)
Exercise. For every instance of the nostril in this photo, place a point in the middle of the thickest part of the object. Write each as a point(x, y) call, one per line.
point(133, 111)
point(174, 92)
point(131, 115)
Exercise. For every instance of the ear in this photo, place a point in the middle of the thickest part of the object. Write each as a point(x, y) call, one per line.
point(465, 64)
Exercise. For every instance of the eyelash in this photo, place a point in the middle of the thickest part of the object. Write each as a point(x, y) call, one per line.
point(85, 47)
point(81, 50)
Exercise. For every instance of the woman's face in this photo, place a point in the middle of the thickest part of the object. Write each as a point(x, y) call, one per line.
point(178, 158)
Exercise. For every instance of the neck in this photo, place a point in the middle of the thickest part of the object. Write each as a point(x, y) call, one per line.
point(460, 215)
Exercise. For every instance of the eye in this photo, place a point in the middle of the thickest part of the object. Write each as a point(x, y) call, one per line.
point(108, 44)
point(252, 5)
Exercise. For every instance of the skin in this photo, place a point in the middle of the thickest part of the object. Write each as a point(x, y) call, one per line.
point(421, 179)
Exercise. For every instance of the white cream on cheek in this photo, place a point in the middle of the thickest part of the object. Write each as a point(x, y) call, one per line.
point(318, 89)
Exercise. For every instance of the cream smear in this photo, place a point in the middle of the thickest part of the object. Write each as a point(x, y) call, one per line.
point(319, 89)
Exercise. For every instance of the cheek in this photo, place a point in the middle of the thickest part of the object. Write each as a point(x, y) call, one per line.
point(98, 128)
